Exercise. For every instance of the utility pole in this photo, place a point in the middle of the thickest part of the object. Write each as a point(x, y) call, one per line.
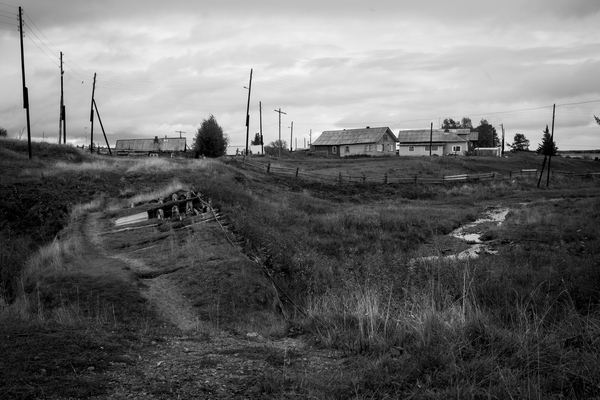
point(103, 131)
point(248, 113)
point(180, 132)
point(551, 146)
point(60, 106)
point(431, 138)
point(279, 144)
point(310, 138)
point(502, 126)
point(92, 116)
point(262, 143)
point(25, 91)
point(292, 136)
point(62, 125)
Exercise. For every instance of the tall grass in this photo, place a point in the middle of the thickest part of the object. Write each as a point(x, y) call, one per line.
point(427, 337)
point(162, 165)
point(164, 191)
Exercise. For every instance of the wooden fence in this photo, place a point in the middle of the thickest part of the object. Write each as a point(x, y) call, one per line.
point(391, 179)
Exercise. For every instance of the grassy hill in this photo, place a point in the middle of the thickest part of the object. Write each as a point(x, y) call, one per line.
point(523, 322)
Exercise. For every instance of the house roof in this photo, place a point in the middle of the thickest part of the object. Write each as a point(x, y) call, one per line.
point(353, 136)
point(472, 136)
point(425, 136)
point(162, 144)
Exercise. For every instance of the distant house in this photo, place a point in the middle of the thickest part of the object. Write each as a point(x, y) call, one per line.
point(422, 142)
point(352, 142)
point(150, 146)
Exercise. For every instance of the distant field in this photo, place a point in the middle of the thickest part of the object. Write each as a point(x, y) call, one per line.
point(586, 155)
point(434, 166)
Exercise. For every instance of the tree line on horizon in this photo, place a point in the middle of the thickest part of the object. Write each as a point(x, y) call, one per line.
point(488, 137)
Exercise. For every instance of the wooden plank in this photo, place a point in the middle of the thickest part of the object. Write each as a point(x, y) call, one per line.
point(132, 219)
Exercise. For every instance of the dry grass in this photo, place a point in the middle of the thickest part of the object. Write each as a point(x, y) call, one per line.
point(175, 186)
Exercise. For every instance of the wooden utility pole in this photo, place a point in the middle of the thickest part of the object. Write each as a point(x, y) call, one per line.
point(262, 143)
point(310, 138)
point(542, 171)
point(103, 132)
point(61, 119)
point(180, 132)
point(551, 146)
point(430, 138)
point(248, 113)
point(292, 137)
point(279, 144)
point(92, 116)
point(25, 91)
point(502, 126)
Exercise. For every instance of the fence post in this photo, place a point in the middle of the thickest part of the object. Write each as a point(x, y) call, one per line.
point(296, 172)
point(416, 177)
point(493, 176)
point(269, 167)
point(510, 175)
point(340, 177)
point(385, 178)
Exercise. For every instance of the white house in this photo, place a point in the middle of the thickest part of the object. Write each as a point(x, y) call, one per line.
point(423, 142)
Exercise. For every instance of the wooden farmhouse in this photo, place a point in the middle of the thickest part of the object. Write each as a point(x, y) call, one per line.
point(418, 142)
point(149, 147)
point(353, 142)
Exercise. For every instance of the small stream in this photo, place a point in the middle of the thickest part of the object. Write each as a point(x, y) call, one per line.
point(465, 232)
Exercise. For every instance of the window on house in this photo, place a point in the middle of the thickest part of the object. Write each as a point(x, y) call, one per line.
point(334, 149)
point(390, 147)
point(347, 149)
point(411, 148)
point(455, 148)
point(379, 147)
point(368, 147)
point(385, 138)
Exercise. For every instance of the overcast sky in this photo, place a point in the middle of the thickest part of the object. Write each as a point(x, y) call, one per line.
point(165, 66)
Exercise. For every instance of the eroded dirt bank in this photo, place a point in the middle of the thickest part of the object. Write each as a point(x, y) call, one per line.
point(196, 359)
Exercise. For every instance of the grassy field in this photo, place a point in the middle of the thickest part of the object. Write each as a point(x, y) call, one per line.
point(522, 323)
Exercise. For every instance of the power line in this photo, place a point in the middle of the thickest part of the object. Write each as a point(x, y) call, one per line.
point(580, 102)
point(8, 15)
point(41, 33)
point(32, 41)
point(15, 28)
point(38, 38)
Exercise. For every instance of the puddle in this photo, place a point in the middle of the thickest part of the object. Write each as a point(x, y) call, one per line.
point(477, 246)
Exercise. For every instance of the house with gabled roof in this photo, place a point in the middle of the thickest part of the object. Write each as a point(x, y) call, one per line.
point(353, 142)
point(423, 142)
point(150, 146)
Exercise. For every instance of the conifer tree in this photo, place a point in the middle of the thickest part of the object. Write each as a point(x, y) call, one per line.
point(548, 146)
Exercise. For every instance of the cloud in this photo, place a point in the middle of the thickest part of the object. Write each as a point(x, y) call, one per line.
point(164, 66)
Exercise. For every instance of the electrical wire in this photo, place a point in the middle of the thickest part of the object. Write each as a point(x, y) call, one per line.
point(41, 33)
point(36, 45)
point(40, 40)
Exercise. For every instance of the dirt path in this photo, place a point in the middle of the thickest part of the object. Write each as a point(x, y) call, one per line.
point(200, 361)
